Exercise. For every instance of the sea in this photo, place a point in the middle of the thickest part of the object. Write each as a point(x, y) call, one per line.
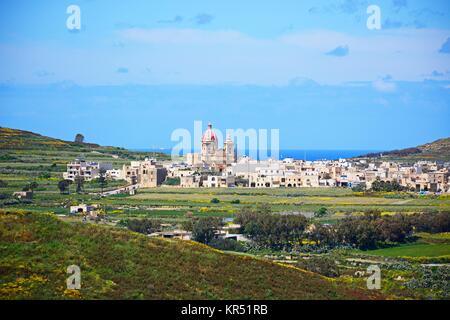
point(297, 154)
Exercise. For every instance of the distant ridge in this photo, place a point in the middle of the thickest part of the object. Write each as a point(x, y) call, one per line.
point(16, 139)
point(438, 150)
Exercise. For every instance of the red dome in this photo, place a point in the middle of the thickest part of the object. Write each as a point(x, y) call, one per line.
point(209, 134)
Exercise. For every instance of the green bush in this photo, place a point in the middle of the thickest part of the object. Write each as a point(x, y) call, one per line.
point(4, 196)
point(321, 212)
point(322, 265)
point(172, 181)
point(227, 245)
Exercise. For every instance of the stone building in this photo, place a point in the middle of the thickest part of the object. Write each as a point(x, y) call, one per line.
point(147, 174)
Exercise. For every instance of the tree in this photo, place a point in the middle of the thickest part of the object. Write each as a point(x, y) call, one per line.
point(321, 212)
point(387, 186)
point(102, 179)
point(145, 226)
point(31, 186)
point(79, 138)
point(360, 187)
point(277, 231)
point(63, 186)
point(45, 175)
point(79, 180)
point(432, 222)
point(323, 235)
point(203, 229)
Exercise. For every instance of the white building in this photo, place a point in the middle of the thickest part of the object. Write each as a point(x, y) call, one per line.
point(85, 169)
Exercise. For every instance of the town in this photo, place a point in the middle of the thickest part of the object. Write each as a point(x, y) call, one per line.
point(218, 167)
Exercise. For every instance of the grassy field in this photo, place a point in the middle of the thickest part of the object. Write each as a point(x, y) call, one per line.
point(175, 203)
point(118, 264)
point(427, 246)
point(413, 250)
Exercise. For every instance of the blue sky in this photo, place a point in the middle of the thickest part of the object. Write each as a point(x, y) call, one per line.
point(137, 71)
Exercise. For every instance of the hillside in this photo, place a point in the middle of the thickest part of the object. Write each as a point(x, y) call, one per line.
point(118, 264)
point(15, 140)
point(437, 150)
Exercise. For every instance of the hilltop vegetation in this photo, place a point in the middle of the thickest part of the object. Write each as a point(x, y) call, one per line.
point(36, 249)
point(437, 150)
point(14, 140)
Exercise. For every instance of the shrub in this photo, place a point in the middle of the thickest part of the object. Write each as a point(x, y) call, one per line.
point(172, 181)
point(11, 202)
point(145, 226)
point(435, 278)
point(379, 185)
point(361, 187)
point(203, 229)
point(431, 222)
point(321, 265)
point(215, 200)
point(321, 212)
point(45, 175)
point(7, 157)
point(227, 245)
point(4, 196)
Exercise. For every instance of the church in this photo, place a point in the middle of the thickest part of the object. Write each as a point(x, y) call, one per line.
point(211, 155)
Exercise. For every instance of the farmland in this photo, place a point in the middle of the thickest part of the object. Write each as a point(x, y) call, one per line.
point(40, 232)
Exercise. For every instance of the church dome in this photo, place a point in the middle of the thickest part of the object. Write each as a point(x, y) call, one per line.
point(209, 134)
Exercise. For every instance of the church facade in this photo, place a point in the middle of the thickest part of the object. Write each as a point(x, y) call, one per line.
point(211, 155)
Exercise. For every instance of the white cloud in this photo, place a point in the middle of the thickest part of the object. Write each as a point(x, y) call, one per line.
point(197, 56)
point(186, 36)
point(232, 56)
point(384, 86)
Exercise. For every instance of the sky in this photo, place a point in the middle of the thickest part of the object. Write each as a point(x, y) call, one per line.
point(136, 71)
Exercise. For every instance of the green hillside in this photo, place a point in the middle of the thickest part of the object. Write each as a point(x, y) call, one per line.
point(35, 250)
point(15, 143)
point(437, 150)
